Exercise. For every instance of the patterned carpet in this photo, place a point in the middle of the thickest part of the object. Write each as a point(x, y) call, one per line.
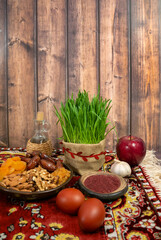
point(135, 216)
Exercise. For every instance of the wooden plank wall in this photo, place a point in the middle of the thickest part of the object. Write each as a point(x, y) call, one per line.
point(3, 76)
point(20, 70)
point(51, 49)
point(146, 70)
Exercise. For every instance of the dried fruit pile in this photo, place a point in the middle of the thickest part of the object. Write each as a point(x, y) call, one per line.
point(12, 165)
point(37, 158)
point(34, 172)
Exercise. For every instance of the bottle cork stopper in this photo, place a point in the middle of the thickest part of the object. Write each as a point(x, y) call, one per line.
point(40, 116)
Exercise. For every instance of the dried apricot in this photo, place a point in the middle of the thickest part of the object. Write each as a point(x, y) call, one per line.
point(3, 172)
point(19, 165)
point(16, 159)
point(8, 162)
point(10, 170)
point(17, 172)
point(12, 165)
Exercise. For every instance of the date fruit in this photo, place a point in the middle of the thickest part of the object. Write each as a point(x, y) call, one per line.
point(34, 153)
point(50, 166)
point(59, 164)
point(36, 158)
point(26, 159)
point(33, 162)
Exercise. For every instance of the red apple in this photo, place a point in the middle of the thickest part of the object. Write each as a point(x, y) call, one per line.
point(131, 149)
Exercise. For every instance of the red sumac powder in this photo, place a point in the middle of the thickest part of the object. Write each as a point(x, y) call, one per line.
point(102, 183)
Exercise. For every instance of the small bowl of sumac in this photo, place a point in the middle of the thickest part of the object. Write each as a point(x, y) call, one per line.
point(105, 186)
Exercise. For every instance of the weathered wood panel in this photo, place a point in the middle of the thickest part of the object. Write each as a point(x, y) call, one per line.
point(57, 47)
point(3, 76)
point(114, 74)
point(146, 71)
point(21, 92)
point(51, 61)
point(82, 46)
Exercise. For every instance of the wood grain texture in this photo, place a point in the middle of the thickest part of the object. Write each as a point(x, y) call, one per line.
point(114, 75)
point(51, 61)
point(82, 53)
point(146, 72)
point(51, 49)
point(3, 76)
point(21, 95)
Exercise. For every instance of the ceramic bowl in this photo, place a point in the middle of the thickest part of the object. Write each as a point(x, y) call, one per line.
point(117, 193)
point(30, 196)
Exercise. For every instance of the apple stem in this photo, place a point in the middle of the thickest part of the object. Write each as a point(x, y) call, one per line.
point(130, 137)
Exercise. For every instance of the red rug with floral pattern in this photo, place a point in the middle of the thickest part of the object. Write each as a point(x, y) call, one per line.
point(135, 216)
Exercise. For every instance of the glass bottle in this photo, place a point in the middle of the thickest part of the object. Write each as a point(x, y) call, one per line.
point(41, 129)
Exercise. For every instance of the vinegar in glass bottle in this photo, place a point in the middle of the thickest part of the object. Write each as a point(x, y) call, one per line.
point(41, 129)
